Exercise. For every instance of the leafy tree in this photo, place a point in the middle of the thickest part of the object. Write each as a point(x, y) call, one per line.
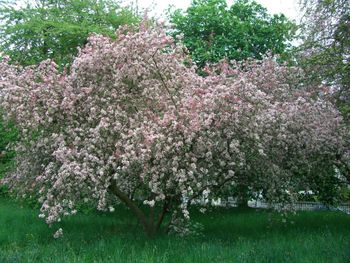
point(54, 29)
point(325, 52)
point(131, 123)
point(213, 31)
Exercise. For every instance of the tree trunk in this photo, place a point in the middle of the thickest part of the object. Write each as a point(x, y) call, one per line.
point(149, 224)
point(133, 207)
point(242, 196)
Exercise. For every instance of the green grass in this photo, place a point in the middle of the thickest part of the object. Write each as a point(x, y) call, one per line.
point(229, 235)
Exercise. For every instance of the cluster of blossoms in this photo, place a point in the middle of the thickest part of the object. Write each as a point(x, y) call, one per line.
point(131, 119)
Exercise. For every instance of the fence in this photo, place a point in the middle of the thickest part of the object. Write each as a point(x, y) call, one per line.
point(302, 206)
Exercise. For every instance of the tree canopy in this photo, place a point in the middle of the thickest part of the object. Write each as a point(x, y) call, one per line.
point(131, 122)
point(53, 29)
point(325, 51)
point(213, 30)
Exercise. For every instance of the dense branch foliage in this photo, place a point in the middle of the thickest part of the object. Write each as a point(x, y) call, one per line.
point(133, 120)
point(326, 46)
point(213, 30)
point(43, 29)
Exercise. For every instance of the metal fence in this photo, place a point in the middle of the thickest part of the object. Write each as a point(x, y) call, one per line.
point(301, 206)
point(307, 206)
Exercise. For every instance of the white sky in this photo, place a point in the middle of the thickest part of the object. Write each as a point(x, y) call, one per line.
point(287, 7)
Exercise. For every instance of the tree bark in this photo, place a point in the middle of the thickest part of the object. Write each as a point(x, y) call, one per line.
point(134, 208)
point(149, 224)
point(242, 196)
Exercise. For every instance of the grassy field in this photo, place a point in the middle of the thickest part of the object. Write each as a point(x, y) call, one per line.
point(229, 235)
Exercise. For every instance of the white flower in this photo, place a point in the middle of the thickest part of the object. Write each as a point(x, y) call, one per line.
point(202, 210)
point(41, 215)
point(150, 203)
point(58, 233)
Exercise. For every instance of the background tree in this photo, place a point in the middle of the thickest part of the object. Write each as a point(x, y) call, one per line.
point(325, 51)
point(213, 31)
point(53, 29)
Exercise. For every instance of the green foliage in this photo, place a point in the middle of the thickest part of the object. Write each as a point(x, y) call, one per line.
point(229, 235)
point(328, 190)
point(54, 29)
point(3, 191)
point(8, 135)
point(345, 194)
point(212, 30)
point(324, 53)
point(325, 183)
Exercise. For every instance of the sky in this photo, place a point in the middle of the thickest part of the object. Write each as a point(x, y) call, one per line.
point(288, 7)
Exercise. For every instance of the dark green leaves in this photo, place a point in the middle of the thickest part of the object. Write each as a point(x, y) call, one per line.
point(54, 29)
point(213, 31)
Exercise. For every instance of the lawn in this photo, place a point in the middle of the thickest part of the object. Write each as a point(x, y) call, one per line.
point(229, 235)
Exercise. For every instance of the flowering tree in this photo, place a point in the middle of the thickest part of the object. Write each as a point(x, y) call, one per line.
point(290, 134)
point(132, 121)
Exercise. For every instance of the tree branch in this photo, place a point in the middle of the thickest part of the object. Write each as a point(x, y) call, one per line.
point(134, 208)
point(162, 80)
point(162, 214)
